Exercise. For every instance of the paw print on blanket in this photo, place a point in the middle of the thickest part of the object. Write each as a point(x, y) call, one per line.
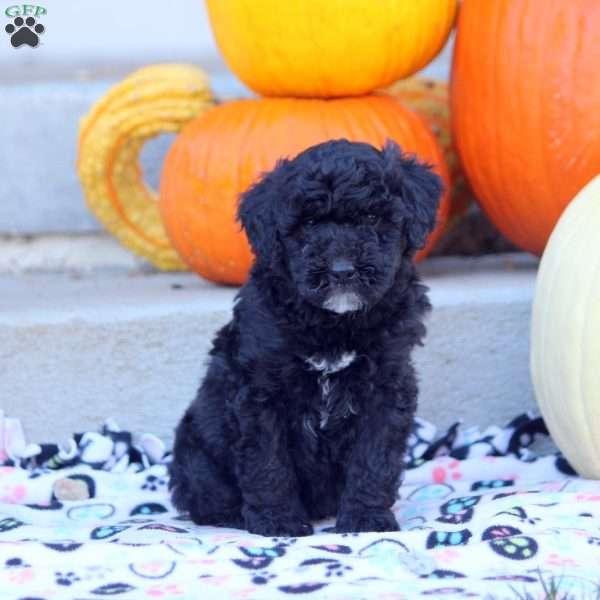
point(499, 531)
point(66, 578)
point(451, 470)
point(594, 541)
point(518, 547)
point(259, 557)
point(18, 571)
point(458, 510)
point(13, 563)
point(154, 483)
point(263, 578)
point(448, 538)
point(333, 567)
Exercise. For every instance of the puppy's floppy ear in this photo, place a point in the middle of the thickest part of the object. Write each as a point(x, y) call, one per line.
point(256, 213)
point(418, 189)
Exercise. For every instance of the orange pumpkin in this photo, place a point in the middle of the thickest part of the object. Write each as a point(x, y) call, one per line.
point(328, 48)
point(430, 98)
point(525, 100)
point(218, 155)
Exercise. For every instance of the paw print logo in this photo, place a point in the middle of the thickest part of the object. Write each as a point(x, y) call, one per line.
point(24, 32)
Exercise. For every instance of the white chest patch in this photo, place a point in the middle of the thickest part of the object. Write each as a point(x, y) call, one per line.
point(328, 367)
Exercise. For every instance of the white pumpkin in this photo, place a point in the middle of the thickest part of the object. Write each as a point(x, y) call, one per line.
point(565, 332)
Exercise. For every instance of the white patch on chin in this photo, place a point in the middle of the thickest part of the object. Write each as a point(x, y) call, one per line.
point(343, 302)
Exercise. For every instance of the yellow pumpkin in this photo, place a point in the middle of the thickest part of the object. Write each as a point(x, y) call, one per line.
point(328, 48)
point(565, 332)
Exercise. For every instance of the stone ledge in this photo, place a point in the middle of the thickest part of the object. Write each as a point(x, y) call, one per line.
point(39, 149)
point(74, 254)
point(75, 350)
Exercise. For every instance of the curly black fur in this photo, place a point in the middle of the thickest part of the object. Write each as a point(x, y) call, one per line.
point(310, 392)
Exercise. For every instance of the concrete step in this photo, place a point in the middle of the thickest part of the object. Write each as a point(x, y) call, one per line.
point(75, 254)
point(77, 348)
point(39, 190)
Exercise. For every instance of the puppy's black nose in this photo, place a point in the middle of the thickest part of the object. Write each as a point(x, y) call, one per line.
point(342, 270)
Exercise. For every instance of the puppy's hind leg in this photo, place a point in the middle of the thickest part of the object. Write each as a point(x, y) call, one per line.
point(201, 483)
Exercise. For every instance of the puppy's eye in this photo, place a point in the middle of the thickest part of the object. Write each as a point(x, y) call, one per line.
point(308, 223)
point(372, 219)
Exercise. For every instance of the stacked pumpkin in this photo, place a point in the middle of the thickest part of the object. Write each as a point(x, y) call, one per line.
point(317, 65)
point(525, 99)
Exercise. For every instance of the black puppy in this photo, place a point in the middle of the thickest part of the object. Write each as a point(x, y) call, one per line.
point(310, 391)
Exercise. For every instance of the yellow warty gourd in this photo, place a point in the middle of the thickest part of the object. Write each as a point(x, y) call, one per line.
point(153, 100)
point(565, 332)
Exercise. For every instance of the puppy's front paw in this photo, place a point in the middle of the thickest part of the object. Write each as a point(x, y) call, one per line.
point(272, 523)
point(355, 520)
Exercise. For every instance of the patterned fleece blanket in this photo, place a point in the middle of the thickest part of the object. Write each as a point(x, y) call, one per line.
point(482, 516)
